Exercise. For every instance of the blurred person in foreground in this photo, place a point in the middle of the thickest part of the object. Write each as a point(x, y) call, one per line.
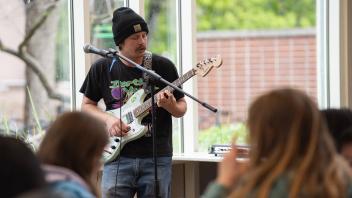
point(345, 145)
point(339, 122)
point(20, 170)
point(71, 154)
point(292, 153)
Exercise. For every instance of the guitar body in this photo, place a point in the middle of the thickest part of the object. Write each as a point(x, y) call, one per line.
point(113, 149)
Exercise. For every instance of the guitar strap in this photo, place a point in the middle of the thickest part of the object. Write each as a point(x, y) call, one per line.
point(148, 65)
point(148, 60)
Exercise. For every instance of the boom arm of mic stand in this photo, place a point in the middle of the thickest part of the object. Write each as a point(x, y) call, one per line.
point(158, 77)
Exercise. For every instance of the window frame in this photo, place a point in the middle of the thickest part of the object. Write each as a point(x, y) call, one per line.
point(332, 30)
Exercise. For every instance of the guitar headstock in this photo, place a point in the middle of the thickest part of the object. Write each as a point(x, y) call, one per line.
point(203, 67)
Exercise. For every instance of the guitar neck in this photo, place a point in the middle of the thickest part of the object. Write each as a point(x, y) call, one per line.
point(141, 109)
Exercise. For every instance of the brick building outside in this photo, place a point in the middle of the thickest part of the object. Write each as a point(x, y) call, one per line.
point(253, 62)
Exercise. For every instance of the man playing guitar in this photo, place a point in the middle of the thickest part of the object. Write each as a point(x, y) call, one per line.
point(115, 81)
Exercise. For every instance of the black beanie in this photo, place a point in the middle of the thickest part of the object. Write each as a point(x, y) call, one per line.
point(126, 22)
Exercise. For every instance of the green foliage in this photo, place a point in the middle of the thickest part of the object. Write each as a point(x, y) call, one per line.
point(5, 123)
point(34, 110)
point(103, 31)
point(158, 43)
point(222, 134)
point(62, 49)
point(254, 14)
point(162, 38)
point(32, 137)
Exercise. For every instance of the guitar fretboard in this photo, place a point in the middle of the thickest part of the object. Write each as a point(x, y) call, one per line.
point(141, 109)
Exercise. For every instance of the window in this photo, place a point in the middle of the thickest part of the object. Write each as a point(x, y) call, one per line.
point(264, 45)
point(162, 39)
point(35, 80)
point(100, 15)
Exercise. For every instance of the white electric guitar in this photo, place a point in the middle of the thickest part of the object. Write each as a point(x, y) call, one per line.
point(135, 109)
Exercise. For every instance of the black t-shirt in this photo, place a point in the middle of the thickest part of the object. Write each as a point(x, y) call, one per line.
point(116, 83)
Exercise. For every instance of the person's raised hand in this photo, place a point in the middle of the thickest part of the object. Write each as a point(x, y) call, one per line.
point(230, 169)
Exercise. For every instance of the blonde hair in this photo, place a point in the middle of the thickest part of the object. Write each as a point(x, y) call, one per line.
point(75, 141)
point(289, 138)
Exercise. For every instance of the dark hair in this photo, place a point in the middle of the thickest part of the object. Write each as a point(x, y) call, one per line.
point(338, 120)
point(75, 141)
point(19, 168)
point(345, 138)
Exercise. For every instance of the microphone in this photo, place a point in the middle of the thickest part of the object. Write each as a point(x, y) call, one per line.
point(88, 48)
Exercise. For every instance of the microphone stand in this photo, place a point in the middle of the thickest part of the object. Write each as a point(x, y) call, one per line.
point(154, 77)
point(151, 85)
point(157, 77)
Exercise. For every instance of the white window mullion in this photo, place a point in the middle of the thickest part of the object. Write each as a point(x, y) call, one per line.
point(137, 6)
point(322, 53)
point(80, 35)
point(187, 35)
point(334, 51)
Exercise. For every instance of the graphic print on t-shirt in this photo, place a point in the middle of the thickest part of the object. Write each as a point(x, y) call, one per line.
point(121, 91)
